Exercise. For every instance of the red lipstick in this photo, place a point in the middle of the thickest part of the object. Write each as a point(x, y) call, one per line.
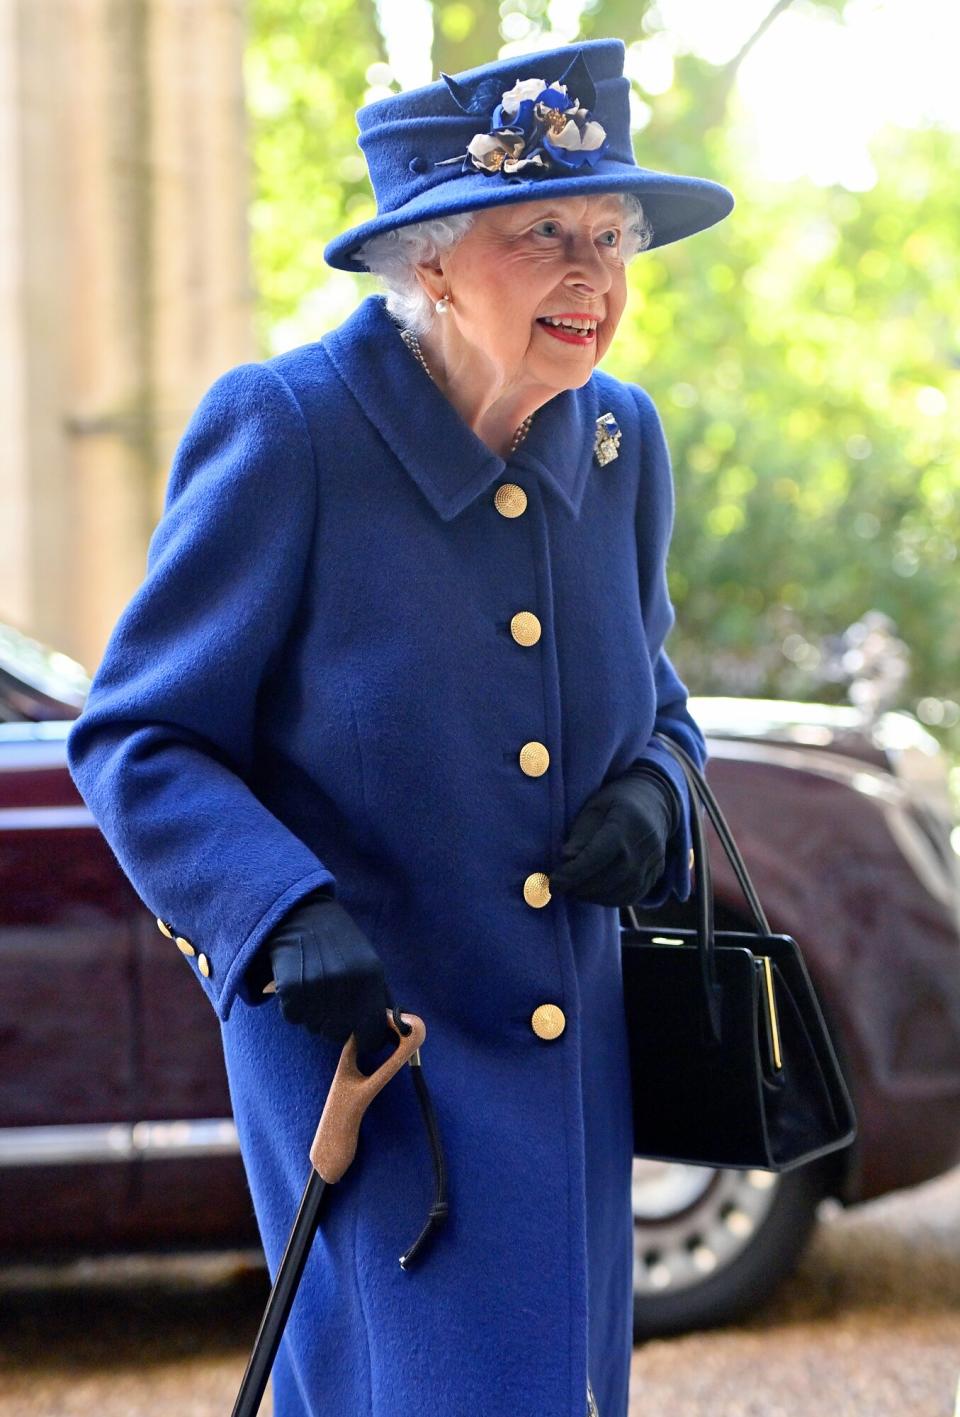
point(567, 335)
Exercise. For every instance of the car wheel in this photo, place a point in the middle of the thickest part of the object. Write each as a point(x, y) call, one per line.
point(710, 1245)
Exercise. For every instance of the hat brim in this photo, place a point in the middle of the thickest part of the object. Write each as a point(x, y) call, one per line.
point(677, 206)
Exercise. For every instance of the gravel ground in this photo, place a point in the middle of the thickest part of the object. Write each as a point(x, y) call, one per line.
point(869, 1327)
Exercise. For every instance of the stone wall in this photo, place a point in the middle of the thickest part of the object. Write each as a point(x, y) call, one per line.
point(125, 286)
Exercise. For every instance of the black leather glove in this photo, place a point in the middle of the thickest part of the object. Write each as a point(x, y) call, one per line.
point(329, 977)
point(617, 847)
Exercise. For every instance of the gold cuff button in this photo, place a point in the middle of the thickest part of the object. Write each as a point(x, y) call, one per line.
point(510, 500)
point(184, 946)
point(164, 928)
point(536, 889)
point(534, 759)
point(525, 627)
point(203, 964)
point(548, 1021)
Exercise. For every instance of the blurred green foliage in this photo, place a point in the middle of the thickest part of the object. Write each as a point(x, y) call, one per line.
point(804, 354)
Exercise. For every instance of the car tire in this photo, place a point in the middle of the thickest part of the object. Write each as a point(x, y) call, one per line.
point(730, 1240)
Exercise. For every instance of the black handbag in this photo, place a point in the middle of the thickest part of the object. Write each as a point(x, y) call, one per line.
point(731, 1062)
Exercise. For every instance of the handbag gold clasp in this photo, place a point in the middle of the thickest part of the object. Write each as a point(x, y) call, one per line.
point(772, 1012)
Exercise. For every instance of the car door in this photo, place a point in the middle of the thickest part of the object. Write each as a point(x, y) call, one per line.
point(67, 977)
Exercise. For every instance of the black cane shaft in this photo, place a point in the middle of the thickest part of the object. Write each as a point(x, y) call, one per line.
point(281, 1298)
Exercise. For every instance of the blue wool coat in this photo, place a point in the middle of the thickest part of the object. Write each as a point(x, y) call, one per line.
point(318, 683)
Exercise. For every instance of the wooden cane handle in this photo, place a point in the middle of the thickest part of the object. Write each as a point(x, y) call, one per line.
point(351, 1093)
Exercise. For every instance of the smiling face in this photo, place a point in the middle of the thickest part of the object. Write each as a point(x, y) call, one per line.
point(517, 264)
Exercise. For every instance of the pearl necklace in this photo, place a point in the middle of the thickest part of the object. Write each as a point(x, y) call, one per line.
point(413, 344)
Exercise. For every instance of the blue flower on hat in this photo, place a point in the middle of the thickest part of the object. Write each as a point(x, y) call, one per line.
point(537, 129)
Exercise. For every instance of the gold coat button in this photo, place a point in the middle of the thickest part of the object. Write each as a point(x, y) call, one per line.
point(548, 1021)
point(536, 888)
point(510, 500)
point(184, 946)
point(690, 859)
point(534, 759)
point(164, 928)
point(525, 627)
point(203, 964)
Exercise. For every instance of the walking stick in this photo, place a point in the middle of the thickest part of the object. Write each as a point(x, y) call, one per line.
point(332, 1151)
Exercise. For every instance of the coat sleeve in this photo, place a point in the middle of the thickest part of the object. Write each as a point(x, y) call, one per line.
point(163, 748)
point(655, 514)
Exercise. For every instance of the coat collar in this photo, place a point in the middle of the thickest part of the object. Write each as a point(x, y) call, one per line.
point(439, 450)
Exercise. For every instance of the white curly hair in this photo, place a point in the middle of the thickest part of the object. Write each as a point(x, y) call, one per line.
point(392, 255)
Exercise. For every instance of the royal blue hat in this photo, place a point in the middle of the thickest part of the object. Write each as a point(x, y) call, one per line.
point(549, 124)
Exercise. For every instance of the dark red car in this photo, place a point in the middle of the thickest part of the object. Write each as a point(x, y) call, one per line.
point(115, 1126)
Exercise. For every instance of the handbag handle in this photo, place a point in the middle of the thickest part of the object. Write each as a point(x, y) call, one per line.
point(703, 896)
point(699, 789)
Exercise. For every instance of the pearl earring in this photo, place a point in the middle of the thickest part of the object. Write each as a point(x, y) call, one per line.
point(442, 304)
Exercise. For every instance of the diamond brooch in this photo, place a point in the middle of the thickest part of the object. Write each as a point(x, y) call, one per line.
point(607, 445)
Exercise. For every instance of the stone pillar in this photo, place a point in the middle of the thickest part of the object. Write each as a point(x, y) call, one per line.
point(124, 285)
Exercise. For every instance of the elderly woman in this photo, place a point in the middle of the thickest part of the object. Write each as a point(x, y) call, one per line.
point(375, 731)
